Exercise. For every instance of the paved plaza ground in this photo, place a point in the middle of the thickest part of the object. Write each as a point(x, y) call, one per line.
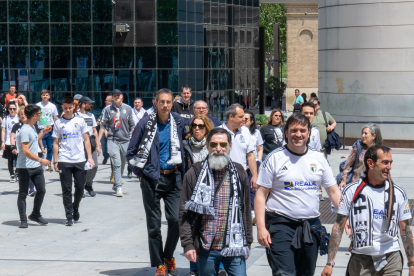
point(111, 237)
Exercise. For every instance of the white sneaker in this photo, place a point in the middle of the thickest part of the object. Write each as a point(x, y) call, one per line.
point(119, 192)
point(12, 179)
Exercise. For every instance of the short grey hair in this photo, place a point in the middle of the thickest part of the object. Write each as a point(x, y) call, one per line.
point(199, 102)
point(231, 110)
point(375, 130)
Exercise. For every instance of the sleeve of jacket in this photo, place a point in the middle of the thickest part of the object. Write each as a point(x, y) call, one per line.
point(135, 139)
point(247, 209)
point(175, 107)
point(185, 217)
point(105, 118)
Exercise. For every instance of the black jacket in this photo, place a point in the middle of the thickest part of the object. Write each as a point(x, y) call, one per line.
point(190, 237)
point(332, 142)
point(152, 167)
point(185, 111)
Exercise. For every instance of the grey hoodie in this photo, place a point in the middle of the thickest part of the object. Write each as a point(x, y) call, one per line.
point(127, 122)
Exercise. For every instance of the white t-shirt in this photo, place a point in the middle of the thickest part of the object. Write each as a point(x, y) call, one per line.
point(294, 182)
point(48, 111)
point(241, 145)
point(70, 132)
point(89, 120)
point(381, 242)
point(8, 124)
point(257, 141)
point(138, 114)
point(315, 139)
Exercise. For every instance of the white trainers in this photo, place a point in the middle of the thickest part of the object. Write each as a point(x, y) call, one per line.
point(119, 192)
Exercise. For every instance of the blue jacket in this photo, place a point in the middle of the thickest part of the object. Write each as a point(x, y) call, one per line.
point(152, 167)
point(216, 122)
point(332, 142)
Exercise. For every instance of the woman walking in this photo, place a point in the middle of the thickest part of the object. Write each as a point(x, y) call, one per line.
point(273, 132)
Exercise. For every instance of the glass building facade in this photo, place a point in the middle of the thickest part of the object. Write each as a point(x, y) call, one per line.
point(73, 47)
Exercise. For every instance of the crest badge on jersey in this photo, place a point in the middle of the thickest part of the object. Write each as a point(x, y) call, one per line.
point(313, 168)
point(76, 125)
point(124, 111)
point(241, 138)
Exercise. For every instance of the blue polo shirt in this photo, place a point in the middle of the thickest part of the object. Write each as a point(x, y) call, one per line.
point(165, 144)
point(299, 99)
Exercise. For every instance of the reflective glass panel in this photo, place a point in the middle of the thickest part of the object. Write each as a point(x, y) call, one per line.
point(81, 10)
point(81, 80)
point(124, 80)
point(182, 34)
point(236, 15)
point(39, 57)
point(39, 80)
point(39, 34)
point(167, 10)
point(182, 63)
point(182, 78)
point(214, 13)
point(81, 34)
point(81, 57)
point(199, 58)
point(167, 34)
point(4, 80)
point(18, 34)
point(124, 10)
point(190, 79)
point(207, 13)
point(59, 11)
point(167, 57)
point(124, 57)
point(18, 11)
point(146, 34)
point(3, 34)
point(168, 79)
point(256, 17)
point(223, 15)
point(191, 34)
point(242, 16)
point(60, 80)
point(4, 58)
point(102, 34)
point(103, 80)
point(3, 13)
point(19, 57)
point(199, 12)
point(145, 10)
point(20, 77)
point(39, 11)
point(190, 11)
point(182, 12)
point(199, 80)
point(102, 57)
point(146, 57)
point(249, 17)
point(60, 34)
point(146, 81)
point(60, 57)
point(102, 10)
point(199, 35)
point(191, 57)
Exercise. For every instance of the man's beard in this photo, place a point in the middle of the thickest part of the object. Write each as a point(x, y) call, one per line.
point(218, 162)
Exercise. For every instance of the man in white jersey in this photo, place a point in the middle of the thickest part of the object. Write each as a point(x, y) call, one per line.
point(49, 116)
point(242, 149)
point(376, 207)
point(287, 203)
point(138, 110)
point(85, 106)
point(29, 166)
point(70, 141)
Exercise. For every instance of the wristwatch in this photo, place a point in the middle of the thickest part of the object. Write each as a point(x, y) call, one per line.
point(330, 264)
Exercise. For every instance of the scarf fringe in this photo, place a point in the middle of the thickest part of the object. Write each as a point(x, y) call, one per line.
point(174, 161)
point(235, 251)
point(205, 210)
point(140, 163)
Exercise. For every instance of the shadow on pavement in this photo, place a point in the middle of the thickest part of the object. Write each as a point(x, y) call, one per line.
point(32, 223)
point(145, 271)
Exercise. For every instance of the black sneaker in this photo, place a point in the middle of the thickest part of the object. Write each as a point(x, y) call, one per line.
point(23, 224)
point(38, 219)
point(69, 222)
point(130, 175)
point(92, 193)
point(104, 161)
point(76, 215)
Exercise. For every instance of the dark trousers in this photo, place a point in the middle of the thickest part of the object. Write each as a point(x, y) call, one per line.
point(25, 176)
point(170, 193)
point(252, 191)
point(11, 159)
point(66, 171)
point(283, 258)
point(47, 141)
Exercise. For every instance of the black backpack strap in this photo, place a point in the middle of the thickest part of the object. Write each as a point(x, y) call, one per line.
point(324, 117)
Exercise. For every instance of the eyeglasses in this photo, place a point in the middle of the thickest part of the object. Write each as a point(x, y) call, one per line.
point(165, 102)
point(201, 108)
point(194, 126)
point(222, 144)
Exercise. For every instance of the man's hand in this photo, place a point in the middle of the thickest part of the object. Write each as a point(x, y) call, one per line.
point(43, 151)
point(56, 167)
point(3, 146)
point(47, 129)
point(329, 128)
point(98, 149)
point(263, 236)
point(45, 162)
point(327, 271)
point(348, 229)
point(191, 255)
point(343, 184)
point(90, 160)
point(253, 182)
point(14, 151)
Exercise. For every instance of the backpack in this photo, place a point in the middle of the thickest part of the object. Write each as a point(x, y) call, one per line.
point(341, 166)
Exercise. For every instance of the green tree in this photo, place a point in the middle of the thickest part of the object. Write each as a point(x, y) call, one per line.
point(275, 87)
point(273, 14)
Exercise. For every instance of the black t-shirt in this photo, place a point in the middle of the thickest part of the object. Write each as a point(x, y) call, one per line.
point(16, 128)
point(185, 110)
point(272, 138)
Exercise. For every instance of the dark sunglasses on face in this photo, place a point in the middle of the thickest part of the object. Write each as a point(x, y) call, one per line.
point(214, 145)
point(194, 126)
point(12, 109)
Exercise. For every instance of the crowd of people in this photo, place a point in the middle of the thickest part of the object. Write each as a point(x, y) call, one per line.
point(216, 180)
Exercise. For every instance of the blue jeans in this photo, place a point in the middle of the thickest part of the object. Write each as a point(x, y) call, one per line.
point(208, 263)
point(193, 266)
point(104, 143)
point(47, 141)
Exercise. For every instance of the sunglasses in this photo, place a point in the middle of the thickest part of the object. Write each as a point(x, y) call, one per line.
point(12, 108)
point(194, 126)
point(278, 116)
point(222, 144)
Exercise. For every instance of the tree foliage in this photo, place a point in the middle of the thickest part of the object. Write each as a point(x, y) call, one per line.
point(275, 87)
point(274, 14)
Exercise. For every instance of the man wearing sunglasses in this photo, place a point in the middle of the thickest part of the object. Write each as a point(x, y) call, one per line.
point(215, 218)
point(156, 156)
point(242, 149)
point(288, 184)
point(201, 108)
